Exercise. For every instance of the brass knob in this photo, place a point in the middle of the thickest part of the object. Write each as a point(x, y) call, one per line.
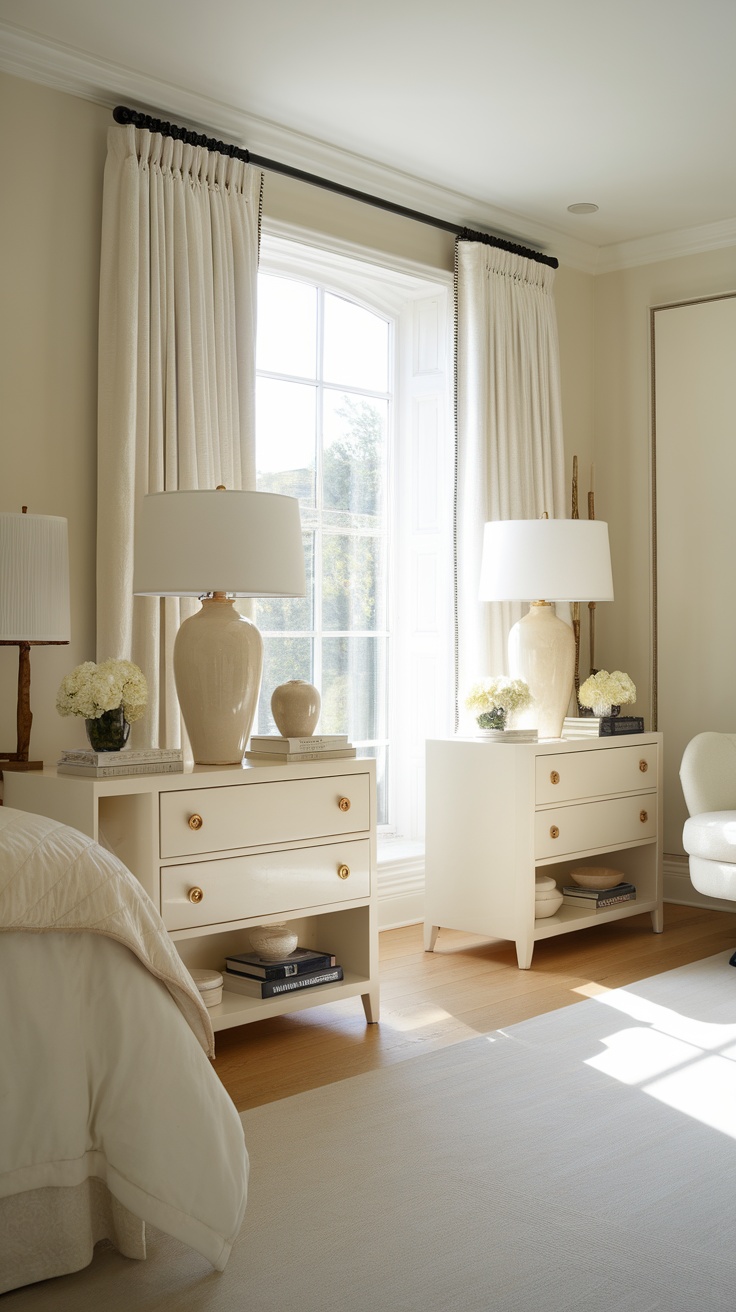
point(195, 822)
point(195, 895)
point(344, 804)
point(554, 777)
point(554, 831)
point(343, 872)
point(643, 766)
point(643, 816)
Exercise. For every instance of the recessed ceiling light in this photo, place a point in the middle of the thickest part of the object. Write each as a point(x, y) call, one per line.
point(583, 207)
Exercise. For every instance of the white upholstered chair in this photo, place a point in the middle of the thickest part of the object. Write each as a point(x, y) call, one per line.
point(708, 777)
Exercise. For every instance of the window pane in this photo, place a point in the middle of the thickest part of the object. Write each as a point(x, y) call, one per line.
point(354, 687)
point(286, 438)
point(289, 614)
point(355, 346)
point(353, 591)
point(287, 327)
point(354, 463)
point(380, 755)
point(283, 659)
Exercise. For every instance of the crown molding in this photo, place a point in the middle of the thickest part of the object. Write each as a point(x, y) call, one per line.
point(53, 64)
point(23, 54)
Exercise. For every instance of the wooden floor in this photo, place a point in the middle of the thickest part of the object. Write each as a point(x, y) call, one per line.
point(467, 986)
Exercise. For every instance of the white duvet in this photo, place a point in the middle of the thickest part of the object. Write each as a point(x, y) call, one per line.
point(104, 1042)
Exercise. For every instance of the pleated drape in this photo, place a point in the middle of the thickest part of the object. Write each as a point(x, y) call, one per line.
point(509, 447)
point(176, 408)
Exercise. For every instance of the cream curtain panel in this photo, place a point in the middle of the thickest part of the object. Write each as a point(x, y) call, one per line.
point(509, 448)
point(176, 409)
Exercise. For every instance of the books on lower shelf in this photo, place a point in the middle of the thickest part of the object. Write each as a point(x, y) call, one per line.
point(272, 758)
point(122, 769)
point(598, 899)
point(302, 961)
point(274, 988)
point(318, 742)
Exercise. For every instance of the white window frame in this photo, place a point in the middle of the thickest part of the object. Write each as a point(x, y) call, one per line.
point(418, 302)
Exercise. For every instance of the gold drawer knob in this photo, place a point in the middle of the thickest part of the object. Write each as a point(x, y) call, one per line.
point(195, 821)
point(343, 872)
point(554, 831)
point(643, 766)
point(554, 777)
point(195, 895)
point(344, 804)
point(643, 816)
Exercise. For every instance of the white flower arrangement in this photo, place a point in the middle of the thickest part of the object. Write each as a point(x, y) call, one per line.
point(90, 690)
point(601, 691)
point(493, 700)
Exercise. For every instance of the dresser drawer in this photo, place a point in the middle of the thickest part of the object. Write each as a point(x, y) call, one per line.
point(568, 829)
point(243, 887)
point(570, 775)
point(195, 821)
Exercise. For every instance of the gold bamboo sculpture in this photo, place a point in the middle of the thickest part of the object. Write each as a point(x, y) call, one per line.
point(576, 604)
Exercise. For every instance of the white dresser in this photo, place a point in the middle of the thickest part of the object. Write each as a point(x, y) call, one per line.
point(500, 813)
point(219, 849)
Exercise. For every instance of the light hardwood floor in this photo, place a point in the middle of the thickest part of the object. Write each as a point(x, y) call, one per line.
point(467, 986)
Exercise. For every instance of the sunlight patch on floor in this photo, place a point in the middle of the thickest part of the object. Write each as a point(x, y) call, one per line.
point(687, 1064)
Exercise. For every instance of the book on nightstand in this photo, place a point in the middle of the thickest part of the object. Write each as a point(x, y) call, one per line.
point(278, 758)
point(273, 988)
point(302, 961)
point(88, 764)
point(322, 742)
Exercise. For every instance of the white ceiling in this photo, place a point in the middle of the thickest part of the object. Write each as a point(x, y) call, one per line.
point(508, 112)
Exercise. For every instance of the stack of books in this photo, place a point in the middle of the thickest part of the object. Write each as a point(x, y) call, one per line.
point(100, 765)
point(302, 969)
point(510, 735)
point(594, 726)
point(601, 899)
point(268, 748)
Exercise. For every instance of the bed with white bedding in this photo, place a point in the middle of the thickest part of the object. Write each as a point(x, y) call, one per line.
point(112, 1115)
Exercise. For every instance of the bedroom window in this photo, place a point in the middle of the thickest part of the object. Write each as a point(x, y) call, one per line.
point(331, 424)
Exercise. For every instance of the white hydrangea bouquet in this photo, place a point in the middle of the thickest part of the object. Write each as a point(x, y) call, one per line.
point(91, 690)
point(494, 701)
point(603, 691)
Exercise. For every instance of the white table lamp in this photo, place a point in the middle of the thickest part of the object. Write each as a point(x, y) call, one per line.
point(34, 606)
point(543, 561)
point(217, 545)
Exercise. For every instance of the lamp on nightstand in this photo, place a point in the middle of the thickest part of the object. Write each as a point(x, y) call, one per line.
point(34, 606)
point(217, 545)
point(553, 560)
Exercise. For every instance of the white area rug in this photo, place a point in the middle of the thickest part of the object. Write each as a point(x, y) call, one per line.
point(583, 1161)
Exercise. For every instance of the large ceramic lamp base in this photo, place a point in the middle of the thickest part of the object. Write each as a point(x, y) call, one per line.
point(542, 652)
point(218, 661)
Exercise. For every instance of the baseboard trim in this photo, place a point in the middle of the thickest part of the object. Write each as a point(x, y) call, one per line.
point(400, 891)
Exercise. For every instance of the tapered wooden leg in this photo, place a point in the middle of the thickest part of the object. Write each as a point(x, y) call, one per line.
point(524, 950)
point(370, 1006)
point(430, 936)
point(657, 920)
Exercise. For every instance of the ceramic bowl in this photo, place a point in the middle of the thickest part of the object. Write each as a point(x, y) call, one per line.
point(597, 877)
point(272, 942)
point(547, 902)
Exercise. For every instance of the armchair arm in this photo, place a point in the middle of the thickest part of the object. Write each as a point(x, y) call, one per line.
point(708, 773)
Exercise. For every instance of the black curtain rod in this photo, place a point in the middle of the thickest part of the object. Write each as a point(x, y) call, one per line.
point(123, 115)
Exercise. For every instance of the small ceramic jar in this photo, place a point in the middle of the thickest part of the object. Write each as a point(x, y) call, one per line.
point(295, 707)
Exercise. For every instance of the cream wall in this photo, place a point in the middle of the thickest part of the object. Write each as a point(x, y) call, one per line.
point(623, 448)
point(52, 152)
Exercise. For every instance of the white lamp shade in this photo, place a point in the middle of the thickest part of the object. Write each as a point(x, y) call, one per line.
point(248, 544)
point(34, 578)
point(546, 559)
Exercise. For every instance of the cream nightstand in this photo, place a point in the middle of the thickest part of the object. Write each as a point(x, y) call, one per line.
point(222, 848)
point(499, 813)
